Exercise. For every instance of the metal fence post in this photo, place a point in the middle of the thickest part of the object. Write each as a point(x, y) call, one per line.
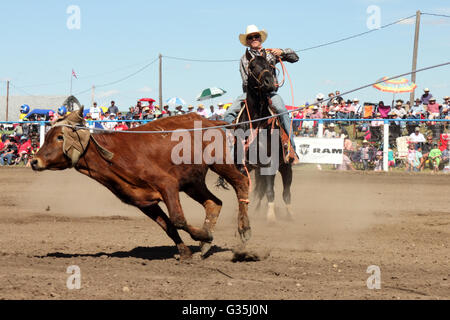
point(385, 145)
point(320, 129)
point(41, 133)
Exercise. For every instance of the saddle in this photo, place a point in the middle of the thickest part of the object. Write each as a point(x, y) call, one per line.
point(289, 154)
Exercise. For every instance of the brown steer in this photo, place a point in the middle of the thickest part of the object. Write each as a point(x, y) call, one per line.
point(138, 168)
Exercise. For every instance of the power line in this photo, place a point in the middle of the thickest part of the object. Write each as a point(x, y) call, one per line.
point(82, 77)
point(200, 60)
point(437, 15)
point(21, 90)
point(354, 36)
point(120, 80)
point(305, 49)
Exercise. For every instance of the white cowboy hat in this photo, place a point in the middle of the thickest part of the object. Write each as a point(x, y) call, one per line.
point(252, 29)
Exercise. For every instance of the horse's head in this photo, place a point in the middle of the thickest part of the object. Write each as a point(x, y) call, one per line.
point(260, 74)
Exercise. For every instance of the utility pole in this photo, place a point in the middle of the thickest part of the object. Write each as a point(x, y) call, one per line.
point(160, 82)
point(414, 61)
point(7, 99)
point(92, 95)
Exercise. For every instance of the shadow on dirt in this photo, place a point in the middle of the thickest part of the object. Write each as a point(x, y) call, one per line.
point(147, 253)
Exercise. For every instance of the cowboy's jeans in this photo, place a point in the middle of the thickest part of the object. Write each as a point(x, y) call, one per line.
point(278, 105)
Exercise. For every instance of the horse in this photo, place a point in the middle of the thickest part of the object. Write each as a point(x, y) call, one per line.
point(261, 83)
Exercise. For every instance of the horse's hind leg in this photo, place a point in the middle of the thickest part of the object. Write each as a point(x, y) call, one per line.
point(159, 216)
point(270, 193)
point(286, 176)
point(212, 205)
point(240, 184)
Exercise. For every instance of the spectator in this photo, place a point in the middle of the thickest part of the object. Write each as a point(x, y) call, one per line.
point(358, 108)
point(24, 150)
point(316, 114)
point(435, 157)
point(121, 126)
point(201, 111)
point(166, 112)
point(211, 112)
point(391, 159)
point(156, 111)
point(433, 109)
point(365, 154)
point(319, 101)
point(179, 110)
point(348, 144)
point(411, 158)
point(426, 96)
point(426, 148)
point(329, 131)
point(9, 153)
point(399, 110)
point(307, 126)
point(330, 99)
point(417, 137)
point(110, 125)
point(379, 161)
point(346, 163)
point(418, 159)
point(220, 112)
point(335, 107)
point(446, 105)
point(95, 112)
point(383, 110)
point(113, 108)
point(338, 96)
point(190, 109)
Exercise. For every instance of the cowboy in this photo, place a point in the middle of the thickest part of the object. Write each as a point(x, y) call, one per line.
point(253, 38)
point(426, 96)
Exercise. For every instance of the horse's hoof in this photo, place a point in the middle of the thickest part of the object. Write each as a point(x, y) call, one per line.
point(271, 218)
point(204, 248)
point(245, 235)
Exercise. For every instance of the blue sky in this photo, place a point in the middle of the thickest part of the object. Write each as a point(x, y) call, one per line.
point(117, 38)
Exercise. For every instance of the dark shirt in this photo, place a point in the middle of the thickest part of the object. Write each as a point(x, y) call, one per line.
point(427, 147)
point(113, 109)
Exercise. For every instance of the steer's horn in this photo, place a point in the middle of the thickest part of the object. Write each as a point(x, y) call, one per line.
point(76, 117)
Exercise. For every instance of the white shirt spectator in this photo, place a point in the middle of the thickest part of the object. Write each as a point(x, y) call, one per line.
point(417, 137)
point(95, 112)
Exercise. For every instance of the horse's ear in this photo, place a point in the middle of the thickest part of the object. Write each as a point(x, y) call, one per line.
point(248, 55)
point(264, 54)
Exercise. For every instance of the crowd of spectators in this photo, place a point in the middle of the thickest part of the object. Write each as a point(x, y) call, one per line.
point(367, 154)
point(429, 149)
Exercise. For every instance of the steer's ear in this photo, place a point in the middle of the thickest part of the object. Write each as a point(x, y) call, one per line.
point(80, 112)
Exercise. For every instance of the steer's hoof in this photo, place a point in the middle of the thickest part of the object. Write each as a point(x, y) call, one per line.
point(205, 247)
point(245, 235)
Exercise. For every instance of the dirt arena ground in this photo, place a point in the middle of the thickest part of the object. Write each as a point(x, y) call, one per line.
point(344, 222)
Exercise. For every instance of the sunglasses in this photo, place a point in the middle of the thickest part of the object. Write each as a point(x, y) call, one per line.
point(254, 37)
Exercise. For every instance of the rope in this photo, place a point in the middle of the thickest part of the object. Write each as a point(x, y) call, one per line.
point(277, 115)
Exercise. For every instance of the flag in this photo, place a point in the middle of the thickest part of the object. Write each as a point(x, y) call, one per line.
point(74, 74)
